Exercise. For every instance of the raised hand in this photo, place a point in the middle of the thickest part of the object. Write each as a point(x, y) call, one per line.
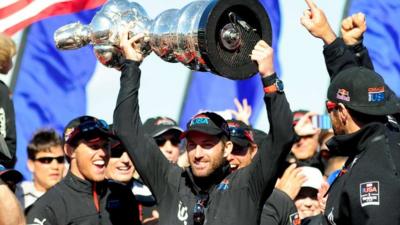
point(243, 111)
point(315, 21)
point(263, 54)
point(305, 127)
point(321, 195)
point(130, 46)
point(353, 28)
point(291, 181)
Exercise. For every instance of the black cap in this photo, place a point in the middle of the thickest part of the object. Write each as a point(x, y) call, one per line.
point(241, 133)
point(159, 125)
point(10, 175)
point(363, 91)
point(85, 127)
point(208, 123)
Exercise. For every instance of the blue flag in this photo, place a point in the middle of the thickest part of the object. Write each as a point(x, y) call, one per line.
point(211, 92)
point(382, 37)
point(51, 85)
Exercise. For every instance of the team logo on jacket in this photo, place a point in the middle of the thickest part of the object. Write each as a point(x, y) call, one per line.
point(369, 193)
point(224, 185)
point(295, 219)
point(36, 221)
point(182, 213)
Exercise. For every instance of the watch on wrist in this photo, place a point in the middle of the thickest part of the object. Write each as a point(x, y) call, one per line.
point(277, 86)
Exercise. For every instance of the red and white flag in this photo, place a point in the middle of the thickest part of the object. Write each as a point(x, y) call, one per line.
point(18, 14)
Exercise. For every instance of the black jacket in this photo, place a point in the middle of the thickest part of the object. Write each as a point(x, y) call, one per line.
point(72, 201)
point(279, 210)
point(367, 190)
point(235, 198)
point(7, 127)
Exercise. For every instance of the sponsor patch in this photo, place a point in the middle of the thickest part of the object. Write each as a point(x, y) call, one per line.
point(343, 94)
point(294, 219)
point(369, 193)
point(164, 121)
point(376, 94)
point(224, 185)
point(200, 119)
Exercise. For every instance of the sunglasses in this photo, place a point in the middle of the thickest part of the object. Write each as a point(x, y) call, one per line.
point(241, 133)
point(161, 141)
point(48, 160)
point(330, 106)
point(239, 150)
point(198, 211)
point(117, 151)
point(88, 130)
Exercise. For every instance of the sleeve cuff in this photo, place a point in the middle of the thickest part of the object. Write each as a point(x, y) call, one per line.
point(270, 80)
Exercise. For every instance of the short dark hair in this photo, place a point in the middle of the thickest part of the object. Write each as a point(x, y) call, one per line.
point(43, 140)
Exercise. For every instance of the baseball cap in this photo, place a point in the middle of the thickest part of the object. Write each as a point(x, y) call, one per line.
point(10, 175)
point(241, 133)
point(85, 127)
point(159, 125)
point(313, 175)
point(363, 91)
point(208, 123)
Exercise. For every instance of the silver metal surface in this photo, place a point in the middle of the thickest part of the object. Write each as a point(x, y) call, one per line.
point(172, 35)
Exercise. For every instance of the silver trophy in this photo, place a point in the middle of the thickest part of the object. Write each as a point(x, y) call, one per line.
point(216, 36)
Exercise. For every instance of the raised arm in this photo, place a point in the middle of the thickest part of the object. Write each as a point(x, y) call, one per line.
point(264, 168)
point(148, 159)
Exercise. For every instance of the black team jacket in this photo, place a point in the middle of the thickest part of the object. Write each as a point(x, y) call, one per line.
point(72, 201)
point(234, 198)
point(367, 189)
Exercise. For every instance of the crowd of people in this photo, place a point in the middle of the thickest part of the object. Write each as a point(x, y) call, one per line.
point(218, 171)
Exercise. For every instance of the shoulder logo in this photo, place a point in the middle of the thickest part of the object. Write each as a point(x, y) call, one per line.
point(369, 193)
point(224, 185)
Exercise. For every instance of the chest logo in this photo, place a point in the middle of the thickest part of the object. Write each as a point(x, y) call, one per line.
point(36, 221)
point(369, 193)
point(224, 185)
point(182, 213)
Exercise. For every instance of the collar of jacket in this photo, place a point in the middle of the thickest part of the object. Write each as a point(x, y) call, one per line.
point(84, 186)
point(354, 143)
point(201, 185)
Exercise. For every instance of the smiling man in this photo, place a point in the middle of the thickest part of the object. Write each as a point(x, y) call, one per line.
point(84, 196)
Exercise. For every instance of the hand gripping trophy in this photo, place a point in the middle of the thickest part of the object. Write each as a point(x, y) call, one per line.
point(216, 36)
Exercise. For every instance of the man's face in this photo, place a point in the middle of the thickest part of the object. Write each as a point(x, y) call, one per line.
point(91, 158)
point(168, 143)
point(205, 153)
point(241, 157)
point(120, 167)
point(306, 203)
point(47, 168)
point(306, 147)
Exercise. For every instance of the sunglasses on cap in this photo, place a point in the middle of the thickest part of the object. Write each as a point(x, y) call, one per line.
point(88, 130)
point(330, 106)
point(241, 133)
point(48, 160)
point(162, 140)
point(198, 210)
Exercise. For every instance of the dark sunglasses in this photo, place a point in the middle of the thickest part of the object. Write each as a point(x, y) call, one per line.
point(241, 133)
point(330, 106)
point(117, 151)
point(161, 141)
point(48, 160)
point(238, 150)
point(198, 210)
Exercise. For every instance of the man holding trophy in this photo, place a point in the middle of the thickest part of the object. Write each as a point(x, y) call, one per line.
point(206, 192)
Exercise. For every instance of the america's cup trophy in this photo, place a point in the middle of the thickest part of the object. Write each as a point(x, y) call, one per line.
point(216, 36)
